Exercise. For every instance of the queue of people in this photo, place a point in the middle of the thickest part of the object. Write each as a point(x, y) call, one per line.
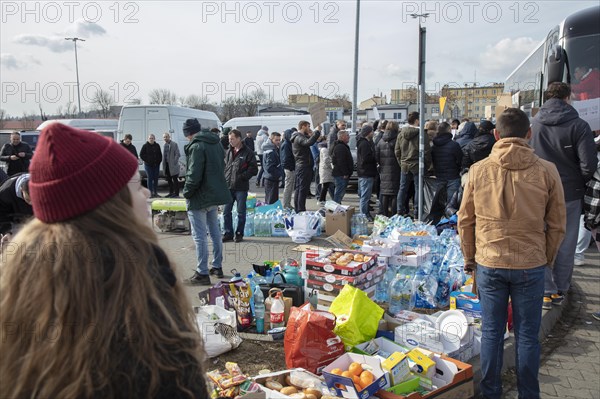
point(110, 278)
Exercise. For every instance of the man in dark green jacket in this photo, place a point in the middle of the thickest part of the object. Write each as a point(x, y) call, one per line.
point(204, 190)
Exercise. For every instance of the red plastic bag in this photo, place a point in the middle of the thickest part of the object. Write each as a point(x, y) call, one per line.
point(309, 340)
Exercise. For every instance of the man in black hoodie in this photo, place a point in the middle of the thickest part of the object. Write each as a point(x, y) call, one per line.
point(343, 164)
point(366, 168)
point(301, 142)
point(289, 167)
point(561, 136)
point(481, 146)
point(447, 158)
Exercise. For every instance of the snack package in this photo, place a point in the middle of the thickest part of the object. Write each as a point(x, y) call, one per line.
point(238, 297)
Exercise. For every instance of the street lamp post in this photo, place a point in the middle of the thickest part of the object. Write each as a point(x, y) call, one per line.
point(74, 39)
point(355, 84)
point(422, 41)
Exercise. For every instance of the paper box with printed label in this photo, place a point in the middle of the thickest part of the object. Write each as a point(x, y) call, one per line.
point(397, 366)
point(425, 366)
point(339, 221)
point(381, 347)
point(344, 386)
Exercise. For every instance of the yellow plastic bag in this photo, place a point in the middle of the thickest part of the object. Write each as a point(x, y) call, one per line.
point(357, 316)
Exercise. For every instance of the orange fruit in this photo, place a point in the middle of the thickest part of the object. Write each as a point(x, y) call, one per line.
point(347, 374)
point(356, 380)
point(366, 378)
point(358, 387)
point(355, 368)
point(336, 371)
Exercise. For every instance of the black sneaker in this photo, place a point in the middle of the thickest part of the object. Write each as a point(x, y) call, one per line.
point(198, 279)
point(218, 272)
point(239, 238)
point(227, 238)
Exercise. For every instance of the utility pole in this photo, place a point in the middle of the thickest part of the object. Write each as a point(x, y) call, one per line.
point(74, 40)
point(422, 57)
point(355, 90)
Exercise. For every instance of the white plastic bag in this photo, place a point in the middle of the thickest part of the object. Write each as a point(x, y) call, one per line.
point(302, 227)
point(218, 327)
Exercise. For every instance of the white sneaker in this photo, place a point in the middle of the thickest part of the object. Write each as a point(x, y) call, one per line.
point(579, 262)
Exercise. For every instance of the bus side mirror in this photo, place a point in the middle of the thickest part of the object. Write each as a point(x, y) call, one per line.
point(556, 64)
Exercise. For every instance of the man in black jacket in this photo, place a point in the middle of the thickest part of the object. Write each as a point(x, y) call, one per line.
point(151, 154)
point(334, 131)
point(481, 146)
point(447, 158)
point(289, 168)
point(559, 135)
point(366, 168)
point(240, 167)
point(301, 142)
point(16, 155)
point(343, 164)
point(15, 203)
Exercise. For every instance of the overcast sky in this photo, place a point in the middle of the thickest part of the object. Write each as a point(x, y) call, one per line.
point(222, 49)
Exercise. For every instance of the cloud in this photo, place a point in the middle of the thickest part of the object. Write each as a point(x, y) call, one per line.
point(503, 57)
point(57, 43)
point(9, 61)
point(82, 28)
point(397, 71)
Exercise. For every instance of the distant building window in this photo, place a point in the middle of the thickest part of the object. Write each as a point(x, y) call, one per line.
point(493, 91)
point(435, 110)
point(477, 92)
point(477, 108)
point(382, 115)
point(398, 116)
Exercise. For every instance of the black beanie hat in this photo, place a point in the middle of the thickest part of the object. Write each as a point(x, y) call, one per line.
point(366, 130)
point(190, 127)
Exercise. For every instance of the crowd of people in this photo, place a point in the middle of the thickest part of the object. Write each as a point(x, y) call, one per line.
point(88, 265)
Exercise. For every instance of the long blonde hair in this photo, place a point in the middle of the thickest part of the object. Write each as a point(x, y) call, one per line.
point(86, 310)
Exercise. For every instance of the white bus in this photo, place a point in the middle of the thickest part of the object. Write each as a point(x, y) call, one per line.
point(574, 43)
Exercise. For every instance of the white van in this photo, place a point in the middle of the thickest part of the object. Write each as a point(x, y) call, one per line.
point(142, 120)
point(274, 123)
point(85, 124)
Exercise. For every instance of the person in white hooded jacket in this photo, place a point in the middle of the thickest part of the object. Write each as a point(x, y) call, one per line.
point(261, 137)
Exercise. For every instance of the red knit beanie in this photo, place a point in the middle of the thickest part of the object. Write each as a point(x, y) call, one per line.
point(74, 171)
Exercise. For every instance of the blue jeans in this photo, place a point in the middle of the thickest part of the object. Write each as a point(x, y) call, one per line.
point(526, 290)
point(239, 197)
point(558, 278)
point(365, 187)
point(340, 188)
point(406, 180)
point(200, 221)
point(152, 177)
point(452, 187)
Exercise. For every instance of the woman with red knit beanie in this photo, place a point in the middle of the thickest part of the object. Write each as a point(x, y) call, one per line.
point(89, 305)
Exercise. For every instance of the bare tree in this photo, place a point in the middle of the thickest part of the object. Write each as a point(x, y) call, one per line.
point(28, 121)
point(102, 101)
point(2, 118)
point(251, 101)
point(341, 100)
point(231, 107)
point(162, 96)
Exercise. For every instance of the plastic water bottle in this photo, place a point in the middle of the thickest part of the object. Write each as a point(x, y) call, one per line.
point(277, 312)
point(381, 291)
point(396, 294)
point(259, 310)
point(408, 295)
point(269, 276)
point(277, 278)
point(354, 225)
point(236, 277)
point(249, 228)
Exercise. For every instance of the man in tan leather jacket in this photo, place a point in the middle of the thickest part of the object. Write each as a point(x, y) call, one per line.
point(511, 222)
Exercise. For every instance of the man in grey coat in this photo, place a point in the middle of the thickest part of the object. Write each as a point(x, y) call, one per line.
point(171, 165)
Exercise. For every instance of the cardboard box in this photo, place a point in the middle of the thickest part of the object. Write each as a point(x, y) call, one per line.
point(389, 247)
point(397, 367)
point(326, 298)
point(410, 256)
point(344, 387)
point(453, 378)
point(380, 347)
point(314, 262)
point(338, 279)
point(309, 379)
point(339, 221)
point(467, 302)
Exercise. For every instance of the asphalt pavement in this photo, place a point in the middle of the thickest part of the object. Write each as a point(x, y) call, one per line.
point(570, 365)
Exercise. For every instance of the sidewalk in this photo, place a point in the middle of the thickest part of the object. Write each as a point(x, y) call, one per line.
point(570, 364)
